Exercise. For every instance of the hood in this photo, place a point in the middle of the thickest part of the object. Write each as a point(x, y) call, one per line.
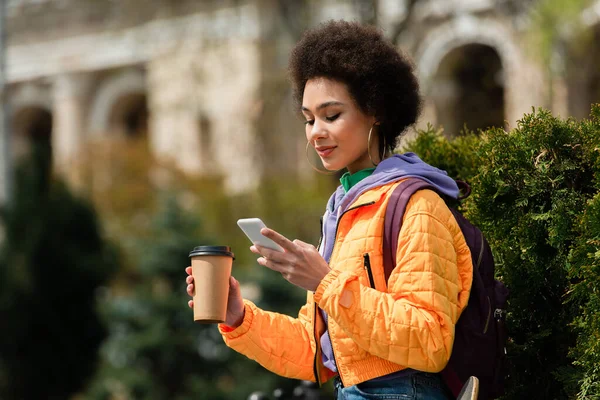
point(392, 169)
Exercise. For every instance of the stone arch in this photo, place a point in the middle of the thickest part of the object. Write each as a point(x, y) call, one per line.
point(115, 100)
point(469, 89)
point(468, 30)
point(129, 115)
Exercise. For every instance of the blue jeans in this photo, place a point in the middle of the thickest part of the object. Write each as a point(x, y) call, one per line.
point(418, 386)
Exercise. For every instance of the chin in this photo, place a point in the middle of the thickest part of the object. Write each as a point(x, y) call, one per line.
point(332, 167)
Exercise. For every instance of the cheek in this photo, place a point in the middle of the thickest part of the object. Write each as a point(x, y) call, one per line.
point(348, 136)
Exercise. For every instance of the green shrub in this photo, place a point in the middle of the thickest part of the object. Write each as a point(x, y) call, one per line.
point(584, 271)
point(531, 188)
point(456, 156)
point(584, 267)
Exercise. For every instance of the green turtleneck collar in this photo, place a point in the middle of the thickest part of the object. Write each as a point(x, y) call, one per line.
point(348, 180)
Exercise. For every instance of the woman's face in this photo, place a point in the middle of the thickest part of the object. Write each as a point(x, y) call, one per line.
point(336, 127)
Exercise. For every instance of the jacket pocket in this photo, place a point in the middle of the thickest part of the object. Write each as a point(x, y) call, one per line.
point(367, 265)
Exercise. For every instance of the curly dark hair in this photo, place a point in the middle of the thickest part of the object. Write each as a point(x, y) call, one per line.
point(379, 78)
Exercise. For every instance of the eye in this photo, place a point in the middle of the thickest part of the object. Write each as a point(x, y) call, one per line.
point(333, 117)
point(309, 122)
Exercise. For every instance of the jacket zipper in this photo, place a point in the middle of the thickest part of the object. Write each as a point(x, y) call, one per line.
point(367, 262)
point(321, 235)
point(337, 225)
point(315, 365)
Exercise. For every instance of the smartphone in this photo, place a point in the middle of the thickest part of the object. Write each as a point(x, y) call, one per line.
point(252, 227)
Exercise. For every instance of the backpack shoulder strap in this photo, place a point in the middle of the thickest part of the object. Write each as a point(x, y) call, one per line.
point(393, 219)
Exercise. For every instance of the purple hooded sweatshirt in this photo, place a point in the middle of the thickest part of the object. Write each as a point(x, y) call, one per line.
point(392, 169)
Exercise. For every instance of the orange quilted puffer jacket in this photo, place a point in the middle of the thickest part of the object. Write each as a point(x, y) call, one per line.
point(407, 322)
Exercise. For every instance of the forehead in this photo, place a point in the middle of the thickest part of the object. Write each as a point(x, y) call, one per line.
point(320, 90)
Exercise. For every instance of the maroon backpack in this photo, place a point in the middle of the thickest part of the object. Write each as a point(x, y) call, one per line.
point(480, 335)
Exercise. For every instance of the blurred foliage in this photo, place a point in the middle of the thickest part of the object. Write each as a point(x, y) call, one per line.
point(123, 180)
point(557, 39)
point(52, 261)
point(155, 350)
point(550, 21)
point(535, 198)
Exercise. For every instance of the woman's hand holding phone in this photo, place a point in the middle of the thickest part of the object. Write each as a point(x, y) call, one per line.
point(299, 263)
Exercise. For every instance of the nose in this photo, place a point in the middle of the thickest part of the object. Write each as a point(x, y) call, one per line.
point(317, 131)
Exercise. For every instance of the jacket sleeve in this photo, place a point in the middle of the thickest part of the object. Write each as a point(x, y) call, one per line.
point(413, 323)
point(278, 342)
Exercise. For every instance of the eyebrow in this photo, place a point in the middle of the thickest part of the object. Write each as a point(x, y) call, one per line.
point(324, 105)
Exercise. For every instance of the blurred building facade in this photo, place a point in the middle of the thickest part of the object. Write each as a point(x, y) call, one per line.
point(204, 82)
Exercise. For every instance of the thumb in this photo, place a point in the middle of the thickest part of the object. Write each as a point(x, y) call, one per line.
point(234, 285)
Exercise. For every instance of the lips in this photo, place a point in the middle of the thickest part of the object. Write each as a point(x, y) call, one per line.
point(324, 151)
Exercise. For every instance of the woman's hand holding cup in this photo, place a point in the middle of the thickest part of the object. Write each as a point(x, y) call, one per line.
point(235, 302)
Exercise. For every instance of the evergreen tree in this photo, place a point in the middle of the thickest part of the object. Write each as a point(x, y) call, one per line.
point(52, 261)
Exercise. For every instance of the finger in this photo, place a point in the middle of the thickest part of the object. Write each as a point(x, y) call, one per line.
point(254, 249)
point(269, 264)
point(190, 290)
point(273, 255)
point(188, 270)
point(278, 238)
point(189, 279)
point(191, 304)
point(302, 244)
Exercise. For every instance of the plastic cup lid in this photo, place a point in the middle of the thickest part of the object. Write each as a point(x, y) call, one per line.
point(212, 251)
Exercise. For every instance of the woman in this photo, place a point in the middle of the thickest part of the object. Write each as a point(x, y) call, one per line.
point(358, 95)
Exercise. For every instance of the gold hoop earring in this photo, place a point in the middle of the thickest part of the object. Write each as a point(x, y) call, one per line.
point(324, 172)
point(369, 147)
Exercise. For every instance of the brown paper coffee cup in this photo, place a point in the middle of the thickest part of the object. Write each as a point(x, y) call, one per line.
point(211, 268)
